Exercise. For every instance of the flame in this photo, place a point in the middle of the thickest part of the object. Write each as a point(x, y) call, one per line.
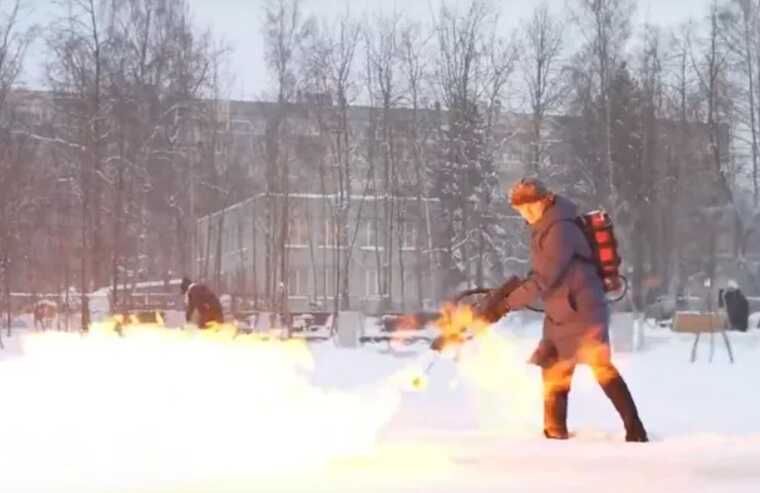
point(457, 318)
point(597, 356)
point(508, 394)
point(163, 405)
point(457, 321)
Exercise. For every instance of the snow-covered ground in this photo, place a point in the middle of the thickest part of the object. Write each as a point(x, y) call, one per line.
point(175, 412)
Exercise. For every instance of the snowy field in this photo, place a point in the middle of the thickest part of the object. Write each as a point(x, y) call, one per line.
point(176, 412)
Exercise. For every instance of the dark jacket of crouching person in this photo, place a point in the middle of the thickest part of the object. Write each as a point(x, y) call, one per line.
point(202, 306)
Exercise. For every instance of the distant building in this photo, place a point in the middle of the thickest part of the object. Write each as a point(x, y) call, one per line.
point(313, 258)
point(683, 176)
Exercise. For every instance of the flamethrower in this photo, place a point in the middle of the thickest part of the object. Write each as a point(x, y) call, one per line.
point(461, 321)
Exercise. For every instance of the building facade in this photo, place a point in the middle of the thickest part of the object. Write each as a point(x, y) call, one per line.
point(381, 267)
point(214, 166)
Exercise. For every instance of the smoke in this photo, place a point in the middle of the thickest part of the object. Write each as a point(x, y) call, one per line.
point(508, 392)
point(169, 407)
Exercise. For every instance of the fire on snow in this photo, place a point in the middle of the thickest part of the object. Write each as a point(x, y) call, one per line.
point(177, 407)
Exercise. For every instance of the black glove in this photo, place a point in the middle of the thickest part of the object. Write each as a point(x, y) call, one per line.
point(494, 305)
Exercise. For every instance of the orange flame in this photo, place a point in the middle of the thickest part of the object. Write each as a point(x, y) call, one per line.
point(508, 393)
point(458, 319)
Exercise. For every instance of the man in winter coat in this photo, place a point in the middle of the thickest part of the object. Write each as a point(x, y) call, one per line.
point(202, 306)
point(576, 325)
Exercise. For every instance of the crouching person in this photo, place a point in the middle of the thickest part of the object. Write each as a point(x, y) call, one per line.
point(202, 306)
point(576, 325)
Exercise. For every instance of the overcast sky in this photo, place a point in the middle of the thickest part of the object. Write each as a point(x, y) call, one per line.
point(238, 22)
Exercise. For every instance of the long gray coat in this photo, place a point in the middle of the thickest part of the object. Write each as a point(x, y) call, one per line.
point(570, 287)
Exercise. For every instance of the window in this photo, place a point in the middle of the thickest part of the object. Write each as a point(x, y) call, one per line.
point(327, 282)
point(38, 112)
point(219, 144)
point(329, 233)
point(408, 236)
point(298, 235)
point(298, 282)
point(371, 283)
point(724, 243)
point(223, 113)
point(370, 234)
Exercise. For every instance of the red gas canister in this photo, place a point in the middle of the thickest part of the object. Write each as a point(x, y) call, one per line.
point(601, 235)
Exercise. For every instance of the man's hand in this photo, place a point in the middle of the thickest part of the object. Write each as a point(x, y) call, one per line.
point(494, 305)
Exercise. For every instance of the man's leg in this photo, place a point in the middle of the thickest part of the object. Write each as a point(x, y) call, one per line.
point(617, 391)
point(556, 380)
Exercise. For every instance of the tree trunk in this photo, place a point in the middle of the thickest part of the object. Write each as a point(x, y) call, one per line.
point(7, 289)
point(118, 206)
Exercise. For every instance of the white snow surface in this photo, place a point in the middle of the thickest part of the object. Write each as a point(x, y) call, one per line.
point(185, 413)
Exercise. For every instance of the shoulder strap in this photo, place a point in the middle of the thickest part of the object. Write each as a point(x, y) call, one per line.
point(577, 222)
point(575, 256)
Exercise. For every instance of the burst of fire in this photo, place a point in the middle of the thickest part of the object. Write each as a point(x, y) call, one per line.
point(508, 395)
point(161, 405)
point(459, 320)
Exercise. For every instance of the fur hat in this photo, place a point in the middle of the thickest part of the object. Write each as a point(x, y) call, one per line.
point(527, 191)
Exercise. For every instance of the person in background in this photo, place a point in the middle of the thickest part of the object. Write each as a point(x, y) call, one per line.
point(736, 305)
point(202, 305)
point(40, 310)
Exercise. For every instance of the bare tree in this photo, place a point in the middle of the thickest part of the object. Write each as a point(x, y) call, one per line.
point(77, 45)
point(414, 46)
point(655, 190)
point(14, 41)
point(739, 22)
point(127, 78)
point(382, 39)
point(709, 58)
point(472, 67)
point(332, 69)
point(285, 31)
point(544, 36)
point(606, 27)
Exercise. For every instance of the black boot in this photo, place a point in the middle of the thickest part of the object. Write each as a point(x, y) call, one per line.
point(553, 435)
point(555, 415)
point(617, 391)
point(636, 433)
